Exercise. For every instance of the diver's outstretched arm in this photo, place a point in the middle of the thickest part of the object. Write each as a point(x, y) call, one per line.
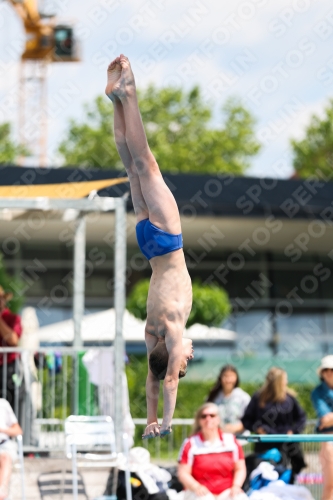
point(152, 393)
point(173, 343)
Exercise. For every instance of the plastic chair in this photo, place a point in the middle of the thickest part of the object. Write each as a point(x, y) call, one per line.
point(59, 483)
point(86, 434)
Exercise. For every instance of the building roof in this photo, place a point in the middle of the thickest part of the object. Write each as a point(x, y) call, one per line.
point(199, 194)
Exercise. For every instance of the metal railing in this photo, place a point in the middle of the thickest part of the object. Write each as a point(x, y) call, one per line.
point(168, 447)
point(51, 384)
point(44, 388)
point(311, 476)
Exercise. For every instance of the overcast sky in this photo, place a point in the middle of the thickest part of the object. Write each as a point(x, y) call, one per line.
point(276, 55)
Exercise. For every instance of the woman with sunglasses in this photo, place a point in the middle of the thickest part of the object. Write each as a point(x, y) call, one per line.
point(322, 399)
point(211, 462)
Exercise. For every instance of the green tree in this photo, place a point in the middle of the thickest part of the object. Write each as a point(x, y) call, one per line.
point(9, 151)
point(210, 306)
point(314, 153)
point(13, 285)
point(179, 130)
point(137, 299)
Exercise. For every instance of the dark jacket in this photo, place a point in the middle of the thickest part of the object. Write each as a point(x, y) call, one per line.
point(274, 418)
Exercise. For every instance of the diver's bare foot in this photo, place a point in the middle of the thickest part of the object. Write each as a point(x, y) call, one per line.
point(113, 77)
point(125, 86)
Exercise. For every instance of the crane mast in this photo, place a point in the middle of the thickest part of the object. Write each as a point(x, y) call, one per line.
point(46, 42)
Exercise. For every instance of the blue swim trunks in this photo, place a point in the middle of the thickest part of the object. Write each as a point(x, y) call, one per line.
point(154, 242)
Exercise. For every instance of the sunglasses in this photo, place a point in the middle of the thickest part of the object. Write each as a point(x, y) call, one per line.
point(205, 415)
point(327, 370)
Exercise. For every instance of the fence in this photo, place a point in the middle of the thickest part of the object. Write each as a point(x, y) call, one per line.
point(44, 388)
point(311, 477)
point(51, 384)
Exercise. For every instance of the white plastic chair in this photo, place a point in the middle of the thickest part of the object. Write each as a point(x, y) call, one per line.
point(93, 434)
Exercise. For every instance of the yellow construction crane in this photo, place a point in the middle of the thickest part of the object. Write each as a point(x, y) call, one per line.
point(46, 42)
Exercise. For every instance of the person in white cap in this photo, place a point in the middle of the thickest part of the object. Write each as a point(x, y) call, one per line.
point(322, 399)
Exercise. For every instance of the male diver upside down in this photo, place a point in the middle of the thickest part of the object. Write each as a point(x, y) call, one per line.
point(159, 237)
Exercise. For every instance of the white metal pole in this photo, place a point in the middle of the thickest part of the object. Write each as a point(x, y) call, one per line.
point(43, 117)
point(74, 472)
point(20, 448)
point(127, 470)
point(79, 276)
point(119, 305)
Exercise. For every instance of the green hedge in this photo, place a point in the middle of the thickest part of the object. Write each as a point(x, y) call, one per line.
point(192, 394)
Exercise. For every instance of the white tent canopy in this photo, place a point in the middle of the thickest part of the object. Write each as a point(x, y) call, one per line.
point(96, 327)
point(100, 327)
point(201, 332)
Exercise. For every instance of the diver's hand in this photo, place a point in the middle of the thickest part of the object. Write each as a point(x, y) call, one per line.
point(165, 430)
point(152, 430)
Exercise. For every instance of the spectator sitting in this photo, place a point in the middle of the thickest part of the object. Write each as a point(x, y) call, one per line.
point(230, 399)
point(211, 462)
point(10, 332)
point(9, 427)
point(322, 399)
point(274, 409)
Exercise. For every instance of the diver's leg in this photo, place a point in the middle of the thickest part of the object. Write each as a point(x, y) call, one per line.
point(139, 204)
point(162, 207)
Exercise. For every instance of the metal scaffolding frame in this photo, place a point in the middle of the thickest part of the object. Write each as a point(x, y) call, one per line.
point(85, 206)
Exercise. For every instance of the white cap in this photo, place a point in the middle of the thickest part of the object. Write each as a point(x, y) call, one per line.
point(326, 362)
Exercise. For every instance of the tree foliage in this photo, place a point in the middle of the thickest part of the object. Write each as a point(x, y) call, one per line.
point(210, 306)
point(137, 299)
point(9, 151)
point(314, 153)
point(179, 132)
